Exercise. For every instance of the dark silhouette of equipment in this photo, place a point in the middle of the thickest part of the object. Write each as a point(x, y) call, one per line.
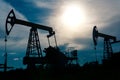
point(72, 56)
point(33, 52)
point(34, 56)
point(55, 57)
point(108, 52)
point(33, 47)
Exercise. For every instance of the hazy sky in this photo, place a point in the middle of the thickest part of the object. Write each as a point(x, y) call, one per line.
point(73, 21)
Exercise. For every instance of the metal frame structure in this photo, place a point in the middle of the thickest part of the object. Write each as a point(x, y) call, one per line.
point(107, 52)
point(33, 52)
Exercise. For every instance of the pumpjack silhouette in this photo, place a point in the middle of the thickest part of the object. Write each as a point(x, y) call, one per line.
point(34, 54)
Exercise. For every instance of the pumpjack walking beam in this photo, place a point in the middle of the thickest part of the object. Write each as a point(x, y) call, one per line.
point(11, 19)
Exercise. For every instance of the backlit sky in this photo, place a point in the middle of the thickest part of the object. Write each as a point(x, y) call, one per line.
point(73, 21)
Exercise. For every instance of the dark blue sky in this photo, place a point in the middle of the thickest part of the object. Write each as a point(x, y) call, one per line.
point(104, 14)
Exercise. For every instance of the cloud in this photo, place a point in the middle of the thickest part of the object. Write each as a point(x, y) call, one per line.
point(16, 59)
point(12, 53)
point(97, 12)
point(114, 26)
point(44, 4)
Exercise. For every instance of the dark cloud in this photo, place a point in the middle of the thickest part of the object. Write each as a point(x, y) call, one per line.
point(30, 10)
point(114, 27)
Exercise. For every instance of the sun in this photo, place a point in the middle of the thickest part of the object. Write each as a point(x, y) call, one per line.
point(72, 16)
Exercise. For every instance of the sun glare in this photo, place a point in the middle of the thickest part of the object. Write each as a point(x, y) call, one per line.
point(72, 16)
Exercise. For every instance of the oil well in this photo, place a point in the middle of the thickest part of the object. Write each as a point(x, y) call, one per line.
point(34, 54)
point(108, 53)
